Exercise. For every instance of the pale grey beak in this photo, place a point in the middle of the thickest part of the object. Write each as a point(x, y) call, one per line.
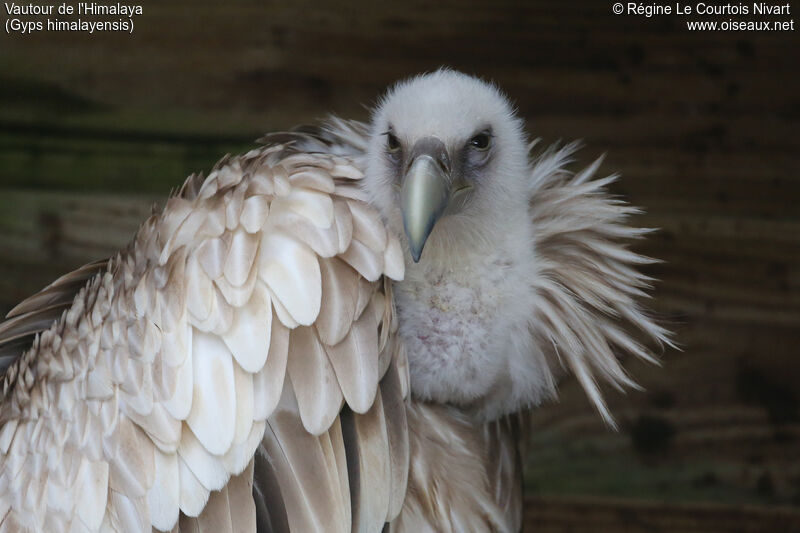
point(425, 193)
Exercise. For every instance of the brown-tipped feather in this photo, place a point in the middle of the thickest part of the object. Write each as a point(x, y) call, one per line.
point(270, 505)
point(307, 486)
point(229, 510)
point(366, 440)
point(394, 408)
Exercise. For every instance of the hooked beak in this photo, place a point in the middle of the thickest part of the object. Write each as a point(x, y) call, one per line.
point(425, 192)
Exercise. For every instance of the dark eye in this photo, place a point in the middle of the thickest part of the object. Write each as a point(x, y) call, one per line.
point(392, 142)
point(481, 141)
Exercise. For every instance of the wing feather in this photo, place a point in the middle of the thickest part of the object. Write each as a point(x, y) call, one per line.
point(308, 488)
point(249, 335)
point(229, 510)
point(340, 458)
point(318, 394)
point(291, 271)
point(270, 505)
point(366, 441)
point(394, 406)
point(355, 360)
point(338, 309)
point(268, 382)
point(214, 397)
point(164, 495)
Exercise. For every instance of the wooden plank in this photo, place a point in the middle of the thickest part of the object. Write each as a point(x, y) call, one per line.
point(44, 235)
point(551, 515)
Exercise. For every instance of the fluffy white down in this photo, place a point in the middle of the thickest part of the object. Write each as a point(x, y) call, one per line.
point(467, 330)
point(465, 308)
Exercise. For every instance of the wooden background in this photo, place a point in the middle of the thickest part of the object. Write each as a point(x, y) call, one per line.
point(703, 127)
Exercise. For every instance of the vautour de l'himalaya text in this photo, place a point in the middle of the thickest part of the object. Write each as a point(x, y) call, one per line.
point(27, 18)
point(81, 8)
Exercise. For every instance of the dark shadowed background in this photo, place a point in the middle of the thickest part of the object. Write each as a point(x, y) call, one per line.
point(703, 127)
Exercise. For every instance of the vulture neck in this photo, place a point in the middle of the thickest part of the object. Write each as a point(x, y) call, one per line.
point(464, 311)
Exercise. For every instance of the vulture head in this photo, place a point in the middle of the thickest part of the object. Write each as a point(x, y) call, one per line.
point(446, 155)
point(516, 270)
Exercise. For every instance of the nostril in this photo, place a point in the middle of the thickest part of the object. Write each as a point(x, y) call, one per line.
point(444, 162)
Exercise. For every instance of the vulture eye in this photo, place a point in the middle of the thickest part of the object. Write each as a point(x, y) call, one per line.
point(392, 142)
point(481, 141)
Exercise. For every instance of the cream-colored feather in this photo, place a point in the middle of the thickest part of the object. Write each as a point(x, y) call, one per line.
point(241, 254)
point(268, 382)
point(164, 495)
point(370, 469)
point(291, 271)
point(307, 487)
point(323, 241)
point(368, 263)
point(229, 510)
point(367, 226)
point(355, 361)
point(343, 221)
point(249, 336)
point(394, 407)
point(214, 397)
point(318, 394)
point(193, 495)
point(205, 466)
point(338, 309)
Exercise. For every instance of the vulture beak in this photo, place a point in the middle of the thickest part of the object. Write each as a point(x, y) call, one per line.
point(425, 192)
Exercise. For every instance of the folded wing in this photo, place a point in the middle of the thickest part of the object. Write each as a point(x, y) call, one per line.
point(242, 344)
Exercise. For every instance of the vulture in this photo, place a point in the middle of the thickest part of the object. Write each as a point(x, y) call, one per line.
point(341, 330)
